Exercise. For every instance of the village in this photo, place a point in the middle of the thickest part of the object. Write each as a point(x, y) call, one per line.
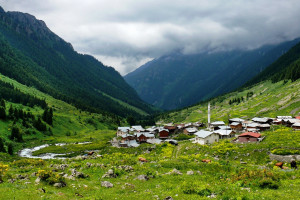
point(240, 130)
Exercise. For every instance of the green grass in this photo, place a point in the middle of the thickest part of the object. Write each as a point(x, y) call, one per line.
point(225, 176)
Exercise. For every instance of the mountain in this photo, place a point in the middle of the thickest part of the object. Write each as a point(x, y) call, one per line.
point(286, 67)
point(35, 56)
point(177, 80)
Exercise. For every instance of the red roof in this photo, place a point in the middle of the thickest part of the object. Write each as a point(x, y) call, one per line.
point(297, 117)
point(257, 135)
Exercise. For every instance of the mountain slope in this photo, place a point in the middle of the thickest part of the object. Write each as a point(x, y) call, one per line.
point(35, 56)
point(286, 67)
point(268, 99)
point(177, 80)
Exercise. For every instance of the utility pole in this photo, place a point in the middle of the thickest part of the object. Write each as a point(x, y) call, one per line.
point(208, 116)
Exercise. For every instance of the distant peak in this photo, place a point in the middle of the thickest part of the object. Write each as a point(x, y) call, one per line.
point(1, 10)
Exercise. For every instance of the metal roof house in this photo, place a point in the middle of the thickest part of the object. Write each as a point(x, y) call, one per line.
point(206, 137)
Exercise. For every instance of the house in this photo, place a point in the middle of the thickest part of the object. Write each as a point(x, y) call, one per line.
point(172, 129)
point(137, 128)
point(290, 122)
point(215, 125)
point(144, 136)
point(190, 131)
point(224, 133)
point(163, 133)
point(252, 125)
point(236, 126)
point(284, 117)
point(224, 127)
point(263, 127)
point(122, 130)
point(237, 120)
point(198, 124)
point(249, 137)
point(127, 137)
point(263, 120)
point(277, 121)
point(296, 126)
point(206, 137)
point(128, 141)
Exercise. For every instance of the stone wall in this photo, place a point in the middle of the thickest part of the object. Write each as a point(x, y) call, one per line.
point(287, 158)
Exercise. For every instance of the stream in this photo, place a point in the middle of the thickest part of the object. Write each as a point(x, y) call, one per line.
point(27, 152)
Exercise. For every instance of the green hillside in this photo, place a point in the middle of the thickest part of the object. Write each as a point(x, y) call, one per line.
point(69, 123)
point(33, 55)
point(286, 67)
point(264, 99)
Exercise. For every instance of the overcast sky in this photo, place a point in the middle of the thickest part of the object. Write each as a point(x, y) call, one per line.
point(125, 34)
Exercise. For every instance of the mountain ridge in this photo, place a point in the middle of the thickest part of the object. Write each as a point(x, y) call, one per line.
point(176, 81)
point(59, 70)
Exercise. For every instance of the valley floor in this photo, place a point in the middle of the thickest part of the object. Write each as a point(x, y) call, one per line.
point(236, 171)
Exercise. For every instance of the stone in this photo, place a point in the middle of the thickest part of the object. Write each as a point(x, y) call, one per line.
point(109, 174)
point(77, 174)
point(189, 172)
point(106, 184)
point(198, 172)
point(59, 185)
point(12, 180)
point(168, 198)
point(143, 177)
point(37, 180)
point(174, 171)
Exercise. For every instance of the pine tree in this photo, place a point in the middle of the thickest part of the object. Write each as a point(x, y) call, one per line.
point(16, 134)
point(2, 103)
point(10, 149)
point(2, 113)
point(2, 149)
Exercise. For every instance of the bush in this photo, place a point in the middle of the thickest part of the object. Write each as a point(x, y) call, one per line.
point(182, 136)
point(50, 177)
point(267, 183)
point(193, 188)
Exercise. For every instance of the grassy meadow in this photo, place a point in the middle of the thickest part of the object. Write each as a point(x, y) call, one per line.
point(269, 100)
point(236, 171)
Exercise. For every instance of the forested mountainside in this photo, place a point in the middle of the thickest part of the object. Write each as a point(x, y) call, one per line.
point(286, 67)
point(177, 80)
point(33, 55)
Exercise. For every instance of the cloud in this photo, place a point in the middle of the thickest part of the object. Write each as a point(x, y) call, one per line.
point(125, 33)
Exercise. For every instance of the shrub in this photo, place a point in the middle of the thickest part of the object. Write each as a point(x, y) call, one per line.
point(29, 162)
point(267, 183)
point(50, 177)
point(193, 188)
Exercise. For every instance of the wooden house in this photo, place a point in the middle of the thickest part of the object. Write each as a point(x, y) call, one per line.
point(144, 136)
point(172, 129)
point(190, 131)
point(264, 127)
point(249, 137)
point(237, 120)
point(215, 125)
point(163, 134)
point(236, 126)
point(224, 134)
point(296, 126)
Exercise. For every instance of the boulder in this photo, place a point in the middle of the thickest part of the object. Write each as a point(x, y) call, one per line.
point(106, 184)
point(143, 177)
point(59, 185)
point(189, 172)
